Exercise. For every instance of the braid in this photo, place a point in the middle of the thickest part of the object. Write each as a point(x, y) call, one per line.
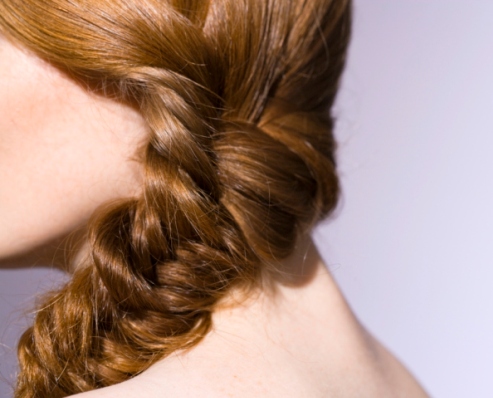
point(239, 160)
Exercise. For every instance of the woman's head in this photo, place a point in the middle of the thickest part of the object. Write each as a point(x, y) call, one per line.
point(230, 100)
point(207, 77)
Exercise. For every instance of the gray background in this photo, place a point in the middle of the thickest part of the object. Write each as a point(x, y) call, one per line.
point(410, 245)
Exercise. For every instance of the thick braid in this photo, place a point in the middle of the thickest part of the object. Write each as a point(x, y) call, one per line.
point(239, 161)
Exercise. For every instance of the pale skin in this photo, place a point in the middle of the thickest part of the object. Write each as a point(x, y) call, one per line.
point(65, 151)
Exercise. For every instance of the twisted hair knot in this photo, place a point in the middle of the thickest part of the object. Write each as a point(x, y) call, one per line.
point(238, 162)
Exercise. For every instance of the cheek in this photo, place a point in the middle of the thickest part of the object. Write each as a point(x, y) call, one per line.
point(61, 162)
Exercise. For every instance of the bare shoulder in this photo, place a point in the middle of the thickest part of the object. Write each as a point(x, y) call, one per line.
point(228, 365)
point(127, 389)
point(266, 376)
point(309, 344)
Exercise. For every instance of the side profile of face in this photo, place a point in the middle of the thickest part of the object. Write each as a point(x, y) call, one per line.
point(63, 152)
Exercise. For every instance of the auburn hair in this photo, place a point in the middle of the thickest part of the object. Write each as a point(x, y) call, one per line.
point(239, 161)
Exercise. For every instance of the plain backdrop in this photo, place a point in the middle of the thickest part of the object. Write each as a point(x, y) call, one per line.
point(410, 243)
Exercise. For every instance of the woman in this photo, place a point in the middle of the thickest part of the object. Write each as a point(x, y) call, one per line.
point(189, 146)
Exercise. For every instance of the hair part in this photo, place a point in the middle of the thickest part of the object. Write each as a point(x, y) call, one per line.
point(236, 95)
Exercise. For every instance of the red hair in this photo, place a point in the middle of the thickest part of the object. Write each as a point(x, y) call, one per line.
point(240, 159)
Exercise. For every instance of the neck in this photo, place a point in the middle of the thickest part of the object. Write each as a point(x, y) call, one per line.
point(300, 331)
point(304, 304)
point(288, 277)
point(304, 317)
